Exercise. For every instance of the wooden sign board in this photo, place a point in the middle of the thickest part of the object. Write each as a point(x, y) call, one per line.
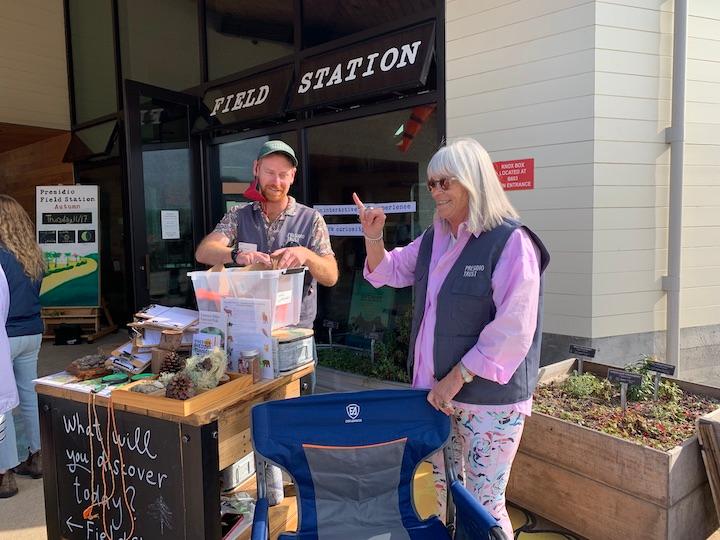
point(620, 376)
point(708, 430)
point(150, 492)
point(659, 367)
point(587, 352)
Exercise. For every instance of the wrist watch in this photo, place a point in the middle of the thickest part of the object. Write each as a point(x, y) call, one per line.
point(467, 377)
point(234, 253)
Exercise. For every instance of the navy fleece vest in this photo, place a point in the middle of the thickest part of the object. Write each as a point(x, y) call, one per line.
point(465, 306)
point(24, 315)
point(296, 227)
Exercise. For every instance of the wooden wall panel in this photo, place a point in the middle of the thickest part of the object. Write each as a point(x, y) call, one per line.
point(34, 165)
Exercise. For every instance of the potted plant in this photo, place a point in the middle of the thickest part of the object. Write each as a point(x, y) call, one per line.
point(602, 472)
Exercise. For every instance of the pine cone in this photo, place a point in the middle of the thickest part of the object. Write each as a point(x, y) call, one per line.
point(173, 363)
point(180, 387)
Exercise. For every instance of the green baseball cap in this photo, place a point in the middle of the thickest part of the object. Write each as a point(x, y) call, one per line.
point(273, 147)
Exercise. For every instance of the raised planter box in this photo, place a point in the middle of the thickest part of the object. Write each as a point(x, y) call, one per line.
point(333, 380)
point(603, 487)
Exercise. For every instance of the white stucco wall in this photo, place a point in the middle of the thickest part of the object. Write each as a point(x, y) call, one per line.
point(520, 79)
point(585, 88)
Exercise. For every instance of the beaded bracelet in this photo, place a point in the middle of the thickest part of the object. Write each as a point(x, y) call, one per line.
point(378, 239)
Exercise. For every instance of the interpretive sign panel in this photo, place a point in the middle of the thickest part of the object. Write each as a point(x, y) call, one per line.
point(67, 227)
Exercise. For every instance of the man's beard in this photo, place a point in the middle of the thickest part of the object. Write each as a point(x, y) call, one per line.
point(272, 195)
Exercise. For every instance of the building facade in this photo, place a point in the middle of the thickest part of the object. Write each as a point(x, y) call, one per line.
point(170, 100)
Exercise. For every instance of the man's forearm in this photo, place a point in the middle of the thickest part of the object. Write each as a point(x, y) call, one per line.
point(212, 253)
point(323, 269)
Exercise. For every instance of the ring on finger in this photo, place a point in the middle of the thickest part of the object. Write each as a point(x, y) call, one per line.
point(444, 404)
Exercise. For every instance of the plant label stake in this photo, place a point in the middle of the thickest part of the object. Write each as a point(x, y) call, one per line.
point(657, 368)
point(581, 352)
point(330, 325)
point(624, 378)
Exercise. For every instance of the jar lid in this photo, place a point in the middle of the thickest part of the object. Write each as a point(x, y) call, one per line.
point(250, 352)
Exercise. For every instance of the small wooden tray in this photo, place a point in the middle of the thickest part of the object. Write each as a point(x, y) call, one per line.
point(177, 407)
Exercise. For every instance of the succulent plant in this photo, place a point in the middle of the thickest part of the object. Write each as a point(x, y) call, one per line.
point(206, 371)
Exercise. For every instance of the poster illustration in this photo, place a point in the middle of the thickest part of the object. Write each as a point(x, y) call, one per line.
point(67, 228)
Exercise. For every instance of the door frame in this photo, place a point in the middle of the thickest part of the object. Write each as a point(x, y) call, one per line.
point(137, 228)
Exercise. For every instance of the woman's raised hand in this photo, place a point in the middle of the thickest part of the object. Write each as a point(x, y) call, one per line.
point(372, 219)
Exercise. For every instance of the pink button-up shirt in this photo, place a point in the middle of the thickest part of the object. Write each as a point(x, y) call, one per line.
point(505, 341)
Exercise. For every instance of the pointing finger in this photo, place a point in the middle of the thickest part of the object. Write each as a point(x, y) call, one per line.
point(357, 201)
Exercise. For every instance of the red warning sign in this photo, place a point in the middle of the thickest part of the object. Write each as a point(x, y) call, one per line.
point(516, 174)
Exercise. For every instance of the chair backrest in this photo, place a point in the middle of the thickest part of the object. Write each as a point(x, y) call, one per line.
point(353, 457)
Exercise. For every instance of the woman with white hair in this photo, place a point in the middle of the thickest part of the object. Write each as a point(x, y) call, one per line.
point(477, 318)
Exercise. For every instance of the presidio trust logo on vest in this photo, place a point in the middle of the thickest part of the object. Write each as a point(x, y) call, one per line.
point(295, 237)
point(471, 270)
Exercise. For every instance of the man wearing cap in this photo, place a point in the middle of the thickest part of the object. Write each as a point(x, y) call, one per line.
point(276, 226)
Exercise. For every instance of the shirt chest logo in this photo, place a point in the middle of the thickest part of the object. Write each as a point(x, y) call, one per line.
point(471, 270)
point(295, 237)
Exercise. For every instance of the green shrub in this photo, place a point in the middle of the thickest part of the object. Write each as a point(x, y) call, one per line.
point(587, 385)
point(667, 390)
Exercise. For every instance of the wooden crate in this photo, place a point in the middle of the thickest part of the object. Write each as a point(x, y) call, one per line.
point(708, 430)
point(601, 486)
point(90, 320)
point(175, 407)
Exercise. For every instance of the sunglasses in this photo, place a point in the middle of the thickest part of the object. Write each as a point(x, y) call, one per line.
point(442, 183)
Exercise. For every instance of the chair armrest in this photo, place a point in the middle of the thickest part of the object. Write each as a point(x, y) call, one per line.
point(260, 520)
point(472, 520)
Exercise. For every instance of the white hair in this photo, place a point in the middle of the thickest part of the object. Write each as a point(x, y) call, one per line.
point(469, 162)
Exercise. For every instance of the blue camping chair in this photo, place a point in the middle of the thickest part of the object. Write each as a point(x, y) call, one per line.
point(353, 457)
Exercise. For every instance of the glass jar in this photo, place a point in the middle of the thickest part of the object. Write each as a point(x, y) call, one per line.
point(250, 363)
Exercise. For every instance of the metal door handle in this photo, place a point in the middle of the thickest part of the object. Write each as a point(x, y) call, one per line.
point(147, 271)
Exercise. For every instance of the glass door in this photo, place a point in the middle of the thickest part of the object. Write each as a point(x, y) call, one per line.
point(165, 196)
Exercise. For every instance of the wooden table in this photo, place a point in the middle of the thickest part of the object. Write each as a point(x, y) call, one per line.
point(171, 463)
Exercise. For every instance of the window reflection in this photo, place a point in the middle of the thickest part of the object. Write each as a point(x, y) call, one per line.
point(93, 58)
point(325, 20)
point(167, 184)
point(245, 33)
point(372, 157)
point(159, 42)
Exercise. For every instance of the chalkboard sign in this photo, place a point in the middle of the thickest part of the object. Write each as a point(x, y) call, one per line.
point(327, 323)
point(587, 352)
point(152, 494)
point(659, 367)
point(620, 376)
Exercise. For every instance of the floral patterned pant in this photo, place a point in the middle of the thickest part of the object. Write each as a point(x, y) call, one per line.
point(483, 445)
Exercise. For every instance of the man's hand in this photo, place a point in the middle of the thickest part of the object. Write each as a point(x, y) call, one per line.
point(246, 258)
point(445, 390)
point(291, 257)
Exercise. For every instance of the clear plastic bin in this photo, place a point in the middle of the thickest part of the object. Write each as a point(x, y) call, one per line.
point(283, 288)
